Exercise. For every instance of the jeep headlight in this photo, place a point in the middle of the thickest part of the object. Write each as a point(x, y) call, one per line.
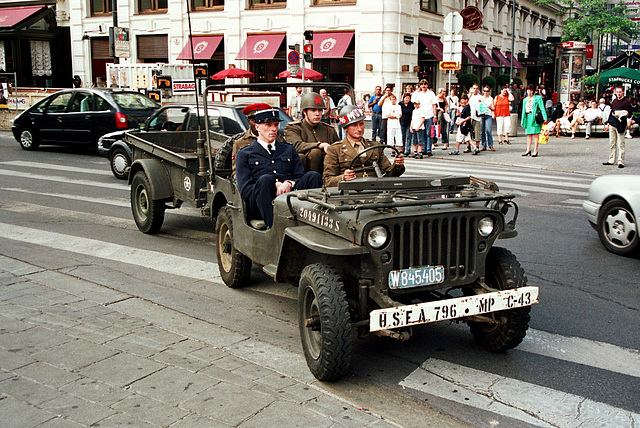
point(485, 226)
point(377, 236)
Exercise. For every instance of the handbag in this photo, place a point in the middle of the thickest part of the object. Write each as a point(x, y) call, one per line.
point(539, 118)
point(447, 117)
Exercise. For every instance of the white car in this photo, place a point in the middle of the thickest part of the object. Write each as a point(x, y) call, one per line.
point(613, 208)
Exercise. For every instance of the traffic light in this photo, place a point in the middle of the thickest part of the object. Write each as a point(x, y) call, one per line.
point(308, 52)
point(308, 35)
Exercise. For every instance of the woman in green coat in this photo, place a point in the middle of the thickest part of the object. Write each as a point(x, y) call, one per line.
point(531, 105)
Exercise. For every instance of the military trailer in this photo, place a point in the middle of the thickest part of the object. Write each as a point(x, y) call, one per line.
point(373, 256)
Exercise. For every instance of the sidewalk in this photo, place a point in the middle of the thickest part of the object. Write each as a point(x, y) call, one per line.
point(72, 354)
point(559, 154)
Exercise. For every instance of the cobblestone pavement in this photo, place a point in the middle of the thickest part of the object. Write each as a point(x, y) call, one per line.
point(69, 358)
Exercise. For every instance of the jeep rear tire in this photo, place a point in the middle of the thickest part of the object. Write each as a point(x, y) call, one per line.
point(503, 272)
point(147, 212)
point(325, 323)
point(234, 267)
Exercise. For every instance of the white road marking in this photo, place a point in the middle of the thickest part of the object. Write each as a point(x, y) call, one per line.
point(66, 180)
point(524, 401)
point(158, 261)
point(57, 167)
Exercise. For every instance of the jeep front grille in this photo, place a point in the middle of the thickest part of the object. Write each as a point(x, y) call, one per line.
point(450, 241)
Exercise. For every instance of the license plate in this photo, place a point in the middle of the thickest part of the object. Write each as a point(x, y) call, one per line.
point(459, 307)
point(416, 277)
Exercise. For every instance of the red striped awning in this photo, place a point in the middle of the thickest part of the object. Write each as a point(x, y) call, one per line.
point(11, 16)
point(434, 46)
point(473, 59)
point(203, 47)
point(331, 45)
point(261, 46)
point(486, 56)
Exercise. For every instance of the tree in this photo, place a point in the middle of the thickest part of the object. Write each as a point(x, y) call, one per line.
point(594, 18)
point(466, 80)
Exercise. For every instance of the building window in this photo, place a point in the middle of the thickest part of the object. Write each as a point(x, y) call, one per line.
point(99, 7)
point(428, 6)
point(207, 4)
point(334, 1)
point(266, 3)
point(152, 5)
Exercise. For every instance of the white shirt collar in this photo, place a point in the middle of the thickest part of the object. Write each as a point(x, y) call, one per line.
point(264, 145)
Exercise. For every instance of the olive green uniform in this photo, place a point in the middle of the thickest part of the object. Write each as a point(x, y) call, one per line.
point(340, 155)
point(305, 138)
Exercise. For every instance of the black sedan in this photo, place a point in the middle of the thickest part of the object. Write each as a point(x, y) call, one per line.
point(80, 117)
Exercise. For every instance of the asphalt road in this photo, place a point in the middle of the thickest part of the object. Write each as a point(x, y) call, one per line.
point(62, 210)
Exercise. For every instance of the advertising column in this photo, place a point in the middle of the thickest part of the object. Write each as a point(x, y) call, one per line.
point(571, 70)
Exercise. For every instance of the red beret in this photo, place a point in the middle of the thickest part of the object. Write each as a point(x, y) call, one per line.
point(251, 109)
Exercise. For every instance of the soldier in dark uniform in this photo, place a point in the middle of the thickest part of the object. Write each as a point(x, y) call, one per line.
point(340, 154)
point(249, 136)
point(268, 168)
point(310, 136)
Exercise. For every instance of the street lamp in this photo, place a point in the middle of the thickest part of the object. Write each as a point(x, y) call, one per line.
point(513, 41)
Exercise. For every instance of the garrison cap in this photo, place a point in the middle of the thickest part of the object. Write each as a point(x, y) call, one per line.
point(270, 115)
point(252, 109)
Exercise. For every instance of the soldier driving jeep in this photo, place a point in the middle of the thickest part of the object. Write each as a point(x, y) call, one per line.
point(355, 151)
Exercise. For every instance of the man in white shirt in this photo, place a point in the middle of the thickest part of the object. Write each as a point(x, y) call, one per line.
point(476, 120)
point(428, 102)
point(592, 116)
point(294, 105)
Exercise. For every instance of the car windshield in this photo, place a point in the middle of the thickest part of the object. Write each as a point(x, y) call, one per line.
point(132, 101)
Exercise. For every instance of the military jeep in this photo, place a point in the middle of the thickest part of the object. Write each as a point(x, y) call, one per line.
point(371, 256)
point(380, 255)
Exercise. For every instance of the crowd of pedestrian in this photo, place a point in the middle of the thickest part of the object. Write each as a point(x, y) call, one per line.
point(418, 120)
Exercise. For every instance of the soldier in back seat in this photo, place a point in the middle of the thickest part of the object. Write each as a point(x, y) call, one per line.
point(310, 136)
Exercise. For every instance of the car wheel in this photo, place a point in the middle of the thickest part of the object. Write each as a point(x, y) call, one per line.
point(147, 212)
point(324, 322)
point(508, 328)
point(120, 164)
point(235, 267)
point(617, 227)
point(28, 140)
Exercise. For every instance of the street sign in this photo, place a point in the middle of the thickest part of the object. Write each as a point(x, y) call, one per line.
point(449, 65)
point(293, 57)
point(453, 23)
point(293, 62)
point(452, 48)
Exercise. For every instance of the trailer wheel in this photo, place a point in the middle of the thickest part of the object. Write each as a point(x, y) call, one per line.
point(503, 272)
point(235, 267)
point(120, 163)
point(324, 321)
point(147, 212)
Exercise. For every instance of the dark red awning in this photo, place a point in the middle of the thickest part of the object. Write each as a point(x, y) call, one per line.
point(516, 63)
point(473, 59)
point(203, 47)
point(434, 46)
point(260, 46)
point(11, 16)
point(486, 56)
point(504, 61)
point(331, 45)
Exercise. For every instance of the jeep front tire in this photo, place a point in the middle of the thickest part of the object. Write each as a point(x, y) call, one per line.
point(503, 272)
point(325, 323)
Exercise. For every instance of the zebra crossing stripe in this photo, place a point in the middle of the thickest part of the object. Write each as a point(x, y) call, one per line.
point(534, 404)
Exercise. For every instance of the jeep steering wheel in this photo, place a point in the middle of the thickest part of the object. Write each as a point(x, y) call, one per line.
point(375, 167)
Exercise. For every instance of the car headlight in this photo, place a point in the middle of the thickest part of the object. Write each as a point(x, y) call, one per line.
point(485, 226)
point(377, 236)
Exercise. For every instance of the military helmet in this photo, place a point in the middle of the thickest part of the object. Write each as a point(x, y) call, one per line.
point(311, 100)
point(349, 115)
